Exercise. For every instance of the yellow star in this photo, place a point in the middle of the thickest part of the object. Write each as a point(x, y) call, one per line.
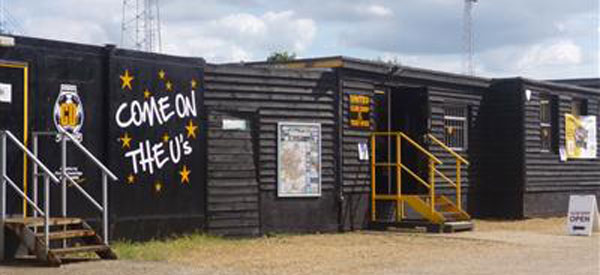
point(169, 85)
point(165, 137)
point(147, 94)
point(130, 179)
point(194, 83)
point(126, 140)
point(157, 186)
point(126, 80)
point(191, 129)
point(185, 175)
point(161, 74)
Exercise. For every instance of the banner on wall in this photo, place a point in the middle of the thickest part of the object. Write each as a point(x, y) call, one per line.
point(299, 159)
point(580, 136)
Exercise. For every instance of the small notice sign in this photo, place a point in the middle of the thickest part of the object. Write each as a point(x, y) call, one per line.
point(363, 151)
point(583, 218)
point(234, 124)
point(5, 93)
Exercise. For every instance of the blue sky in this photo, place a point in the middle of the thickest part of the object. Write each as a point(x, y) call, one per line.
point(533, 38)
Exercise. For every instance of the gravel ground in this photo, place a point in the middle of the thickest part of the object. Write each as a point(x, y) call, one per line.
point(537, 246)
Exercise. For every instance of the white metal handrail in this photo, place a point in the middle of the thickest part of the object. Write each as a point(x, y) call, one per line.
point(23, 195)
point(30, 155)
point(91, 156)
point(86, 194)
point(105, 174)
point(4, 135)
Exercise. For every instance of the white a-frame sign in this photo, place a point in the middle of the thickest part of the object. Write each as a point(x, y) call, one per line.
point(583, 218)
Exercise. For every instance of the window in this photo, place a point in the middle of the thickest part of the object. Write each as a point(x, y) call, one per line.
point(456, 127)
point(546, 123)
point(578, 107)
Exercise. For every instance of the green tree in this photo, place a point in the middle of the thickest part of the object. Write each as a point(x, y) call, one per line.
point(281, 56)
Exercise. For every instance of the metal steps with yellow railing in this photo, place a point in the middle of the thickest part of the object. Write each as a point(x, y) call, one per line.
point(434, 209)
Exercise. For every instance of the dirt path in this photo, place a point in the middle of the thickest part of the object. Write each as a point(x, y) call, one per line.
point(536, 246)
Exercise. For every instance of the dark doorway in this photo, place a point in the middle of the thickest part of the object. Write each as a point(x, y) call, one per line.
point(405, 110)
point(13, 118)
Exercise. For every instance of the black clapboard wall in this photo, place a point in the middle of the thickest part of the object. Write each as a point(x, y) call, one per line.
point(502, 163)
point(156, 144)
point(232, 188)
point(548, 181)
point(277, 95)
point(356, 174)
point(535, 182)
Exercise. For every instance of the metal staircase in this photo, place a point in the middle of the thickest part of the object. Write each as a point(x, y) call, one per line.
point(50, 239)
point(434, 211)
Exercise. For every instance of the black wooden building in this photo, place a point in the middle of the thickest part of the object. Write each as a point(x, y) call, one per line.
point(524, 134)
point(195, 145)
point(412, 100)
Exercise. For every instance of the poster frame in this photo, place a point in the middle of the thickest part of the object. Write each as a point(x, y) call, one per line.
point(280, 192)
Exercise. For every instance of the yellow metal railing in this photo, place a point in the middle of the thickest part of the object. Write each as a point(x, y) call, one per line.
point(430, 183)
point(459, 161)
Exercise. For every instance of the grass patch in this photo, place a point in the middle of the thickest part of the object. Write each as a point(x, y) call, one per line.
point(162, 250)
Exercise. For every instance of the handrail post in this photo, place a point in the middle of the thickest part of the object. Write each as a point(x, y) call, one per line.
point(105, 207)
point(35, 177)
point(373, 172)
point(64, 181)
point(46, 213)
point(432, 184)
point(2, 191)
point(458, 187)
point(399, 202)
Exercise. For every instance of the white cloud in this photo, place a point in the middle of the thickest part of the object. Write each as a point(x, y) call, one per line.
point(555, 53)
point(534, 38)
point(240, 36)
point(377, 10)
point(440, 62)
point(80, 31)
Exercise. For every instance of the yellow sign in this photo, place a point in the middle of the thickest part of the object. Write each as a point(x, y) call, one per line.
point(360, 108)
point(580, 136)
point(68, 114)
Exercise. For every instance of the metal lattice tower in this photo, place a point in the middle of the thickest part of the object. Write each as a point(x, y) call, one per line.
point(468, 41)
point(8, 24)
point(140, 26)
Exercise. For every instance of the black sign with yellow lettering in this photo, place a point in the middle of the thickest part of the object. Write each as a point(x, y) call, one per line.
point(360, 111)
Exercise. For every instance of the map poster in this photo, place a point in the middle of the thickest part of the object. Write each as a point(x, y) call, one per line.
point(580, 136)
point(298, 159)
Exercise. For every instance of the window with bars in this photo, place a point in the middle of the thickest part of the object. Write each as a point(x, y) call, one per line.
point(546, 131)
point(456, 127)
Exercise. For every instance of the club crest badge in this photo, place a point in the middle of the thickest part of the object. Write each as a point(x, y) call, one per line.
point(68, 111)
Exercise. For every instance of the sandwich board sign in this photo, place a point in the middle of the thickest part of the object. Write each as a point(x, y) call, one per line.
point(583, 218)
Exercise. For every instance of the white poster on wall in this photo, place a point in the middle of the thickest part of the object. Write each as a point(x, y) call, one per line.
point(580, 136)
point(298, 159)
point(5, 93)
